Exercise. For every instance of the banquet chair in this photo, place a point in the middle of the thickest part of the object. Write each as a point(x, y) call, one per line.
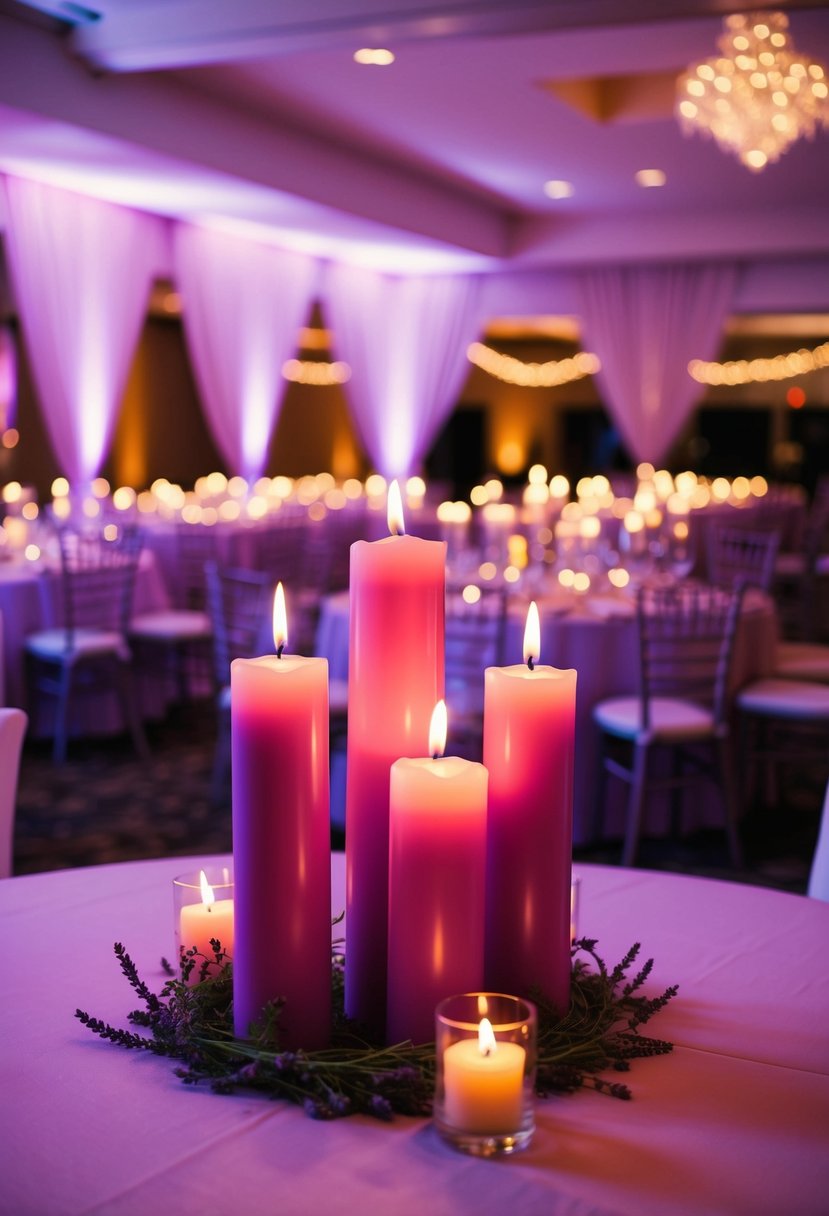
point(90, 651)
point(797, 573)
point(12, 729)
point(781, 722)
point(818, 887)
point(179, 639)
point(686, 640)
point(744, 555)
point(299, 556)
point(239, 603)
point(474, 632)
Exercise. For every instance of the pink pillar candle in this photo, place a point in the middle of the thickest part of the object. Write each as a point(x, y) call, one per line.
point(281, 845)
point(529, 732)
point(395, 678)
point(437, 862)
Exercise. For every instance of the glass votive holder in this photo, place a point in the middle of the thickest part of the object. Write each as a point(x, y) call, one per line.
point(575, 893)
point(485, 1048)
point(203, 910)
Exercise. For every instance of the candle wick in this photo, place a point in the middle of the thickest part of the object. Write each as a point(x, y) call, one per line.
point(279, 650)
point(530, 663)
point(436, 755)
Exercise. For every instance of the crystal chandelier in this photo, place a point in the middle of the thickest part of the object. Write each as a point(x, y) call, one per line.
point(758, 95)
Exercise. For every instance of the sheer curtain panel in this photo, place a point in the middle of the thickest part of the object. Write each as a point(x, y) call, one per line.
point(243, 305)
point(82, 271)
point(646, 323)
point(405, 340)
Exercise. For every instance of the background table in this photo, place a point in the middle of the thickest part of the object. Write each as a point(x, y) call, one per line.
point(735, 1120)
point(598, 636)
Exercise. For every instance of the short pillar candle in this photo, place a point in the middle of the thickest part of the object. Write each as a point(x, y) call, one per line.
point(437, 860)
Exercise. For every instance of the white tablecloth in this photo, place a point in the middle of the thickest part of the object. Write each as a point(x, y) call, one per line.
point(735, 1120)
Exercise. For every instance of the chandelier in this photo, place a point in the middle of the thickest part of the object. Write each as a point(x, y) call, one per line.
point(758, 95)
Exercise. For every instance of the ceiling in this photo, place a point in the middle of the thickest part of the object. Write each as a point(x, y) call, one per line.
point(255, 114)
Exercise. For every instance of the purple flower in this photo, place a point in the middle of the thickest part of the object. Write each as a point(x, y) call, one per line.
point(380, 1107)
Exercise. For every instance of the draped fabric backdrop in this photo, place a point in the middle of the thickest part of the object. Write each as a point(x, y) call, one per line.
point(646, 323)
point(243, 306)
point(8, 378)
point(82, 271)
point(405, 340)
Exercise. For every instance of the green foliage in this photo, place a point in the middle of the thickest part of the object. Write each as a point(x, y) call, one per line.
point(192, 1021)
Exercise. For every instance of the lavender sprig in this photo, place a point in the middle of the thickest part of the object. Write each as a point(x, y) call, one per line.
point(191, 1021)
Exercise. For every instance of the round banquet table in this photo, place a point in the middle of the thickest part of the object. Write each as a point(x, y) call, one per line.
point(598, 636)
point(735, 1120)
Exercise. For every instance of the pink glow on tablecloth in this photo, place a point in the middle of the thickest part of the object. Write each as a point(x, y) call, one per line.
point(735, 1121)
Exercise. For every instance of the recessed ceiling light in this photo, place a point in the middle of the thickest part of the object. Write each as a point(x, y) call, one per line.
point(378, 56)
point(558, 189)
point(650, 177)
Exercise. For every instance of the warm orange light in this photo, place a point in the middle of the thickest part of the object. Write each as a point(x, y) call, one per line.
point(394, 510)
point(438, 729)
point(796, 398)
point(487, 1042)
point(532, 636)
point(280, 620)
point(207, 896)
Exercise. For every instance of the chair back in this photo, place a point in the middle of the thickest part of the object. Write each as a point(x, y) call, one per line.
point(195, 546)
point(819, 874)
point(742, 555)
point(239, 603)
point(686, 639)
point(98, 579)
point(816, 530)
point(474, 641)
point(12, 729)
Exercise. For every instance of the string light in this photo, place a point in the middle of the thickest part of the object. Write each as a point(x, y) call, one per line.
point(312, 371)
point(751, 371)
point(532, 375)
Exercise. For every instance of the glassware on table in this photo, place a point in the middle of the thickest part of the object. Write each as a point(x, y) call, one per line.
point(203, 910)
point(485, 1050)
point(575, 894)
point(678, 547)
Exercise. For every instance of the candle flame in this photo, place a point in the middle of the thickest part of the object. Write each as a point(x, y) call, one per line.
point(394, 511)
point(486, 1038)
point(280, 619)
point(437, 730)
point(207, 896)
point(532, 636)
point(483, 1005)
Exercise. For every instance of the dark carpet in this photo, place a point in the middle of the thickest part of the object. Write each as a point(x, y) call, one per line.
point(105, 805)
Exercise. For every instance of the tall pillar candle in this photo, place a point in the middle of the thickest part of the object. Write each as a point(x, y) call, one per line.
point(395, 678)
point(281, 844)
point(437, 862)
point(529, 733)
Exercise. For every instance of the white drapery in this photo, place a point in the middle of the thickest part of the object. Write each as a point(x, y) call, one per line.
point(243, 305)
point(82, 271)
point(8, 378)
point(405, 340)
point(646, 323)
